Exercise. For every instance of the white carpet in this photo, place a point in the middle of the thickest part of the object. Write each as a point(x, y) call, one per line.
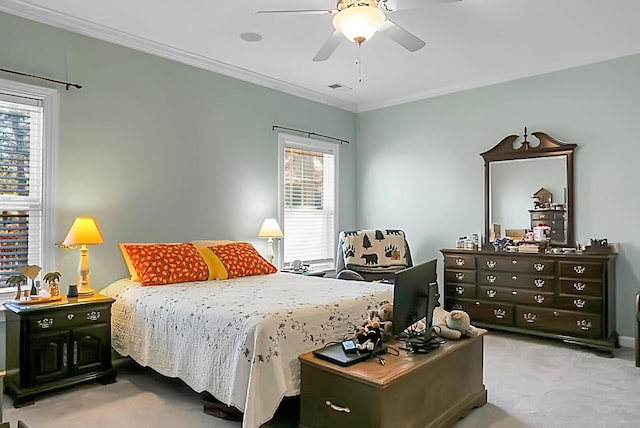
point(530, 383)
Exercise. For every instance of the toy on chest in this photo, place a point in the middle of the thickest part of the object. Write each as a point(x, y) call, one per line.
point(383, 315)
point(452, 325)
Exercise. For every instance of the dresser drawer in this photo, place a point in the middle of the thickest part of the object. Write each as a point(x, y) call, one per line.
point(579, 303)
point(462, 261)
point(559, 321)
point(516, 280)
point(482, 311)
point(68, 317)
point(547, 215)
point(531, 297)
point(516, 264)
point(456, 276)
point(581, 269)
point(460, 290)
point(581, 287)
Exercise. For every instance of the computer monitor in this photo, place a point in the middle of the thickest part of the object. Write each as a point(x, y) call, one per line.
point(415, 295)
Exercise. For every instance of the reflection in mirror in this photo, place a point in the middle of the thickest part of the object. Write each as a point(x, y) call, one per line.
point(513, 184)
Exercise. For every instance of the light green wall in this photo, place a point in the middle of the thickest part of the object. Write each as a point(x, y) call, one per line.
point(160, 151)
point(419, 166)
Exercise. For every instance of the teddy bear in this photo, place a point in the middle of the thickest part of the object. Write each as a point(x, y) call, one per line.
point(383, 315)
point(452, 325)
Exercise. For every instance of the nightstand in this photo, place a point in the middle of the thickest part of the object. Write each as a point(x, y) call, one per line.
point(319, 273)
point(56, 345)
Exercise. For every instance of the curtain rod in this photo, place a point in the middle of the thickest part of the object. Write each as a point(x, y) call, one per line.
point(309, 134)
point(59, 82)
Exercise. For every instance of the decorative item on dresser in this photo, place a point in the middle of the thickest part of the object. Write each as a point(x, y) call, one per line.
point(54, 345)
point(569, 297)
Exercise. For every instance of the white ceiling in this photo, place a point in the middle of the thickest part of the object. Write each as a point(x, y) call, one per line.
point(470, 43)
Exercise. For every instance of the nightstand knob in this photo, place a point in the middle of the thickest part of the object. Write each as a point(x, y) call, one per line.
point(45, 323)
point(93, 315)
point(70, 316)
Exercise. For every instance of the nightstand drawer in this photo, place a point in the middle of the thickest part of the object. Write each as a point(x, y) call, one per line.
point(63, 318)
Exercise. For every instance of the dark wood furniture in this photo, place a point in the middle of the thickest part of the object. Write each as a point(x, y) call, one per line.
point(555, 219)
point(568, 297)
point(638, 329)
point(409, 391)
point(52, 346)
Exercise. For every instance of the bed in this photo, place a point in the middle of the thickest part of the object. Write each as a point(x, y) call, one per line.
point(239, 339)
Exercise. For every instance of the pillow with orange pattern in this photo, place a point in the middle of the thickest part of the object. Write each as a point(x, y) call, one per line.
point(159, 264)
point(239, 259)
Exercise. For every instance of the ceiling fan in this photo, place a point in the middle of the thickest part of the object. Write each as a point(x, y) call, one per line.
point(359, 20)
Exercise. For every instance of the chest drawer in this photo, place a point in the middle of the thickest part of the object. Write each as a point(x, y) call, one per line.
point(460, 261)
point(65, 318)
point(559, 321)
point(460, 290)
point(581, 287)
point(516, 280)
point(581, 269)
point(491, 312)
point(531, 297)
point(547, 215)
point(456, 276)
point(580, 303)
point(516, 264)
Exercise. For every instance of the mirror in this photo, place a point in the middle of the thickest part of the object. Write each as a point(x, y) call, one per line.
point(529, 184)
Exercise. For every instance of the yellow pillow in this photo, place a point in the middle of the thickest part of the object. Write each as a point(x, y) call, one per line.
point(216, 268)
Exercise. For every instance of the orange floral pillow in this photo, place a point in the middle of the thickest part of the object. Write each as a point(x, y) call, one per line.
point(241, 259)
point(159, 264)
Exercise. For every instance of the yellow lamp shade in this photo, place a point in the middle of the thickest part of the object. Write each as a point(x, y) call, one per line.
point(270, 229)
point(84, 231)
point(359, 23)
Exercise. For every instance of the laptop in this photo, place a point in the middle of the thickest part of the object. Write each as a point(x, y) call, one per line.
point(335, 354)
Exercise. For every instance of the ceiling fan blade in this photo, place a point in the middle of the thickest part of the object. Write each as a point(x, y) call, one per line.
point(328, 47)
point(401, 36)
point(301, 11)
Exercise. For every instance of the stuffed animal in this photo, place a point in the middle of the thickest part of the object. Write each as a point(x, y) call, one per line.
point(368, 336)
point(384, 315)
point(452, 325)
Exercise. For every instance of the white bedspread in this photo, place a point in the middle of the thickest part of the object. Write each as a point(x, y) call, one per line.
point(238, 339)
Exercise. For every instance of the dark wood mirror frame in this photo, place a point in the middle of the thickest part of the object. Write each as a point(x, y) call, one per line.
point(547, 147)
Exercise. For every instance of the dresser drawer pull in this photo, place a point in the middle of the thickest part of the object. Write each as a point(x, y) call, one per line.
point(45, 323)
point(579, 269)
point(70, 316)
point(460, 290)
point(491, 264)
point(579, 286)
point(529, 317)
point(459, 306)
point(514, 262)
point(491, 293)
point(538, 282)
point(514, 277)
point(75, 353)
point(93, 316)
point(459, 276)
point(538, 266)
point(556, 313)
point(460, 262)
point(491, 278)
point(538, 298)
point(584, 325)
point(514, 292)
point(64, 355)
point(579, 303)
point(337, 408)
point(499, 313)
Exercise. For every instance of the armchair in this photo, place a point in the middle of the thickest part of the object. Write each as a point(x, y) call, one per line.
point(372, 255)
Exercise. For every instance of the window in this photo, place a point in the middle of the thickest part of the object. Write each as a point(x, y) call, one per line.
point(308, 195)
point(28, 118)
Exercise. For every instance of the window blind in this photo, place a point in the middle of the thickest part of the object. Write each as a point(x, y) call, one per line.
point(308, 205)
point(21, 172)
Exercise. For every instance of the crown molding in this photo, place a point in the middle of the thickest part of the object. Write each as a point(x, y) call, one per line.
point(121, 38)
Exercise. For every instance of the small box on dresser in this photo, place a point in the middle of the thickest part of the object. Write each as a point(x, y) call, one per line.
point(564, 296)
point(52, 346)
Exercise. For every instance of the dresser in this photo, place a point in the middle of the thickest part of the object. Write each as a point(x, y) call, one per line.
point(52, 346)
point(555, 219)
point(567, 297)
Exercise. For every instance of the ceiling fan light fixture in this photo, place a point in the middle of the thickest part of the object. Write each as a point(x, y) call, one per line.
point(359, 23)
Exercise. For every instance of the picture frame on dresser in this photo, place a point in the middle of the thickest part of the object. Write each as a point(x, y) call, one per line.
point(567, 294)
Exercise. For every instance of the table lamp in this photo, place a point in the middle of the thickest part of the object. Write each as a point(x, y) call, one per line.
point(270, 229)
point(84, 231)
